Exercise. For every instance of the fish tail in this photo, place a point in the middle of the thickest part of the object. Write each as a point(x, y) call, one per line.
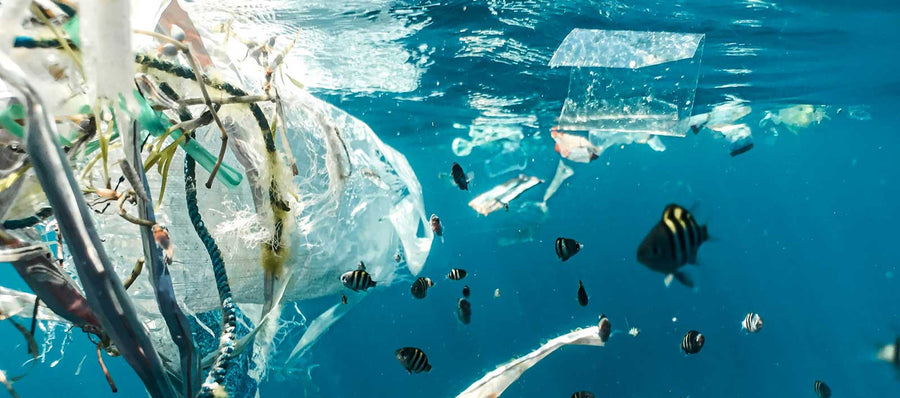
point(427, 367)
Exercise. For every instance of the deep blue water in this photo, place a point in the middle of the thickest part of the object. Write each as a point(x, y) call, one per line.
point(804, 225)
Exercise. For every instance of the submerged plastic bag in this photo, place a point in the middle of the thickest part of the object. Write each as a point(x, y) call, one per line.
point(629, 82)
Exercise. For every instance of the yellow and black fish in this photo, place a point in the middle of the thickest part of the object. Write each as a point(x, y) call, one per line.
point(582, 295)
point(693, 342)
point(566, 248)
point(456, 274)
point(583, 394)
point(822, 389)
point(358, 279)
point(420, 287)
point(464, 311)
point(413, 359)
point(672, 243)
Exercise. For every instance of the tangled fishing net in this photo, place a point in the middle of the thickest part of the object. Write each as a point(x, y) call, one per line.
point(302, 190)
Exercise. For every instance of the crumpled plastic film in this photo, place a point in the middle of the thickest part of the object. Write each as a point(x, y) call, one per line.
point(629, 82)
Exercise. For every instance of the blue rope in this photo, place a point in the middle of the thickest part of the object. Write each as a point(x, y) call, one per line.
point(216, 376)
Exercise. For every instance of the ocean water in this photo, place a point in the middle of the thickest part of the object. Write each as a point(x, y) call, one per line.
point(804, 225)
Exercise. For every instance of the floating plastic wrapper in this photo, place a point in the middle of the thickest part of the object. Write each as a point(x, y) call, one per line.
point(499, 196)
point(629, 82)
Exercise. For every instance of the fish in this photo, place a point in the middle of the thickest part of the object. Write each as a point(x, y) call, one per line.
point(583, 394)
point(358, 279)
point(459, 177)
point(672, 243)
point(413, 359)
point(582, 295)
point(343, 298)
point(634, 332)
point(605, 328)
point(752, 322)
point(692, 343)
point(466, 291)
point(497, 293)
point(822, 389)
point(464, 311)
point(436, 225)
point(397, 257)
point(456, 274)
point(420, 287)
point(566, 248)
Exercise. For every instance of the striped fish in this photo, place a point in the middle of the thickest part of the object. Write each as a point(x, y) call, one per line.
point(583, 394)
point(672, 243)
point(582, 295)
point(752, 322)
point(413, 359)
point(605, 327)
point(566, 248)
point(822, 389)
point(358, 279)
point(464, 311)
point(692, 342)
point(420, 287)
point(457, 274)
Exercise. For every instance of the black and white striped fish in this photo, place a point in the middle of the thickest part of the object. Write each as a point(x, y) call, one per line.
point(692, 342)
point(413, 359)
point(605, 328)
point(566, 248)
point(466, 291)
point(358, 279)
point(822, 389)
point(582, 295)
point(583, 394)
point(457, 274)
point(420, 287)
point(464, 311)
point(752, 322)
point(672, 243)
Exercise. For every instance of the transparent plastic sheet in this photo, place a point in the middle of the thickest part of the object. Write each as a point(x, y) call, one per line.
point(629, 82)
point(495, 382)
point(499, 196)
point(347, 177)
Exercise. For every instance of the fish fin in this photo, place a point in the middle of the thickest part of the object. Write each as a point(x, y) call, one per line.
point(668, 280)
point(374, 283)
point(428, 367)
point(442, 238)
point(683, 278)
point(470, 176)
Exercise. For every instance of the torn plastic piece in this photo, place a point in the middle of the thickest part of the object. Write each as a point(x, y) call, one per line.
point(624, 48)
point(742, 145)
point(494, 383)
point(796, 117)
point(499, 197)
point(575, 147)
point(511, 159)
point(627, 81)
point(563, 172)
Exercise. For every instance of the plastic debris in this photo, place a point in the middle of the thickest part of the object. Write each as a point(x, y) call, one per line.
point(495, 382)
point(499, 196)
point(575, 147)
point(795, 117)
point(563, 172)
point(510, 159)
point(628, 81)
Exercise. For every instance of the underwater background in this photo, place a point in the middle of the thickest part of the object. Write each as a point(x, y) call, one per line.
point(804, 225)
